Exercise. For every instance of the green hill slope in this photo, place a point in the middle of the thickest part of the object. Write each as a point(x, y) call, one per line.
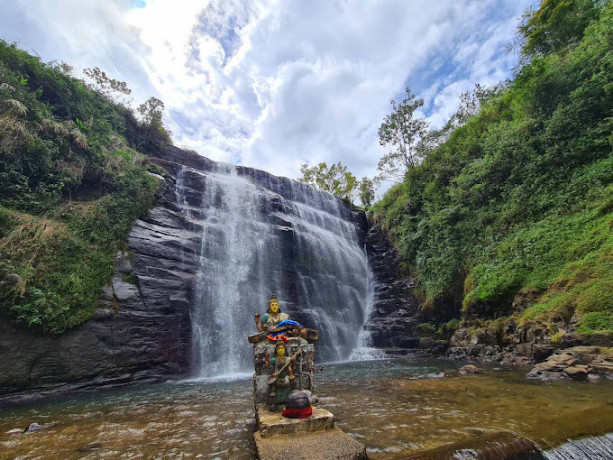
point(511, 218)
point(72, 182)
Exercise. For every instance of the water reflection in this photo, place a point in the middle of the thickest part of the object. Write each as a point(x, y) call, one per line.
point(395, 407)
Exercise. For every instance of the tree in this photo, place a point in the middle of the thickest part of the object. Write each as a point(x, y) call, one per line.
point(340, 182)
point(115, 90)
point(556, 24)
point(152, 136)
point(404, 131)
point(151, 111)
point(334, 179)
point(470, 104)
point(367, 191)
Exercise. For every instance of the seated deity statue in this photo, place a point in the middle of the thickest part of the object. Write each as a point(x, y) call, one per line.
point(272, 318)
point(276, 325)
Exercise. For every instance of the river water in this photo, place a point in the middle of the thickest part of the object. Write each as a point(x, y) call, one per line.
point(395, 406)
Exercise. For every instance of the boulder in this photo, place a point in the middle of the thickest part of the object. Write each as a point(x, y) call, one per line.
point(578, 372)
point(468, 369)
point(578, 363)
point(34, 427)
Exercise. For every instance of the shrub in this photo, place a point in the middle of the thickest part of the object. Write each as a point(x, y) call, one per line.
point(519, 196)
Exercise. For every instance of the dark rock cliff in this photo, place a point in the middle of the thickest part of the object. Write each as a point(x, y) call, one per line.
point(394, 313)
point(141, 330)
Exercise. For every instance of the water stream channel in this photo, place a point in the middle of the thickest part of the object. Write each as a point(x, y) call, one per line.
point(396, 407)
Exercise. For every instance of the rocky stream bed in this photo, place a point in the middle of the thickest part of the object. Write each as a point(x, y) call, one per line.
point(397, 407)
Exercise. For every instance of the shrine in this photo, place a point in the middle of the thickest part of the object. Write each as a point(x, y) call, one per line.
point(290, 425)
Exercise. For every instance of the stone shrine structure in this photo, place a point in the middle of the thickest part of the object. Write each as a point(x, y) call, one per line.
point(285, 352)
point(303, 369)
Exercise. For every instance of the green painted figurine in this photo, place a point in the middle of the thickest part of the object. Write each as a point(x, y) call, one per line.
point(283, 370)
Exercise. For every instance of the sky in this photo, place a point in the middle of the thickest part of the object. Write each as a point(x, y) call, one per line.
point(275, 84)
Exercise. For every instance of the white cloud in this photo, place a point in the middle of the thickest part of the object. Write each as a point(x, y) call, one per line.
point(272, 84)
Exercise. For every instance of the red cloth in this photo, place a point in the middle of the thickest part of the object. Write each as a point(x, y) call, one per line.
point(298, 413)
point(276, 338)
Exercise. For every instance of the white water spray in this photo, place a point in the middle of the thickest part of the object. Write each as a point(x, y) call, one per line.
point(262, 235)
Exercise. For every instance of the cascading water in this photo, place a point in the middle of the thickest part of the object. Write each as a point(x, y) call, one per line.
point(594, 448)
point(261, 235)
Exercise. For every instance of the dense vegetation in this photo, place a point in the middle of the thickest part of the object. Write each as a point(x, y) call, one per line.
point(517, 201)
point(72, 182)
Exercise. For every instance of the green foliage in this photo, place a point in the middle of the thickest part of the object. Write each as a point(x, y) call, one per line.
point(447, 329)
point(444, 330)
point(518, 195)
point(71, 185)
point(557, 24)
point(129, 278)
point(426, 328)
point(366, 188)
point(596, 322)
point(337, 180)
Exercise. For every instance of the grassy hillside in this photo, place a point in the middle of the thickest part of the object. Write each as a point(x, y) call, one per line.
point(517, 203)
point(72, 182)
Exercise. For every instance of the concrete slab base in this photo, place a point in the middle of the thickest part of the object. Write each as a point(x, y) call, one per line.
point(273, 423)
point(319, 445)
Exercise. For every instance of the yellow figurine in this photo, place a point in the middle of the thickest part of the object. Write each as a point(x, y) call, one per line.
point(283, 367)
point(272, 318)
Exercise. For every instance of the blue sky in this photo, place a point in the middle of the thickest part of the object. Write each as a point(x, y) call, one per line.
point(273, 84)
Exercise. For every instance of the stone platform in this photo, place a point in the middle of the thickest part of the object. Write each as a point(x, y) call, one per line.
point(273, 423)
point(319, 445)
point(312, 438)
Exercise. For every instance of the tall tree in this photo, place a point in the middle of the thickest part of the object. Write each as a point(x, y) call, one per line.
point(404, 131)
point(367, 191)
point(334, 179)
point(152, 136)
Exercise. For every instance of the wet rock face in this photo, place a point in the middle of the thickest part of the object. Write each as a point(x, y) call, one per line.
point(393, 319)
point(142, 328)
point(503, 445)
point(139, 332)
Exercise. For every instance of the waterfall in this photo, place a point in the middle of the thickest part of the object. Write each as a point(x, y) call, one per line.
point(264, 235)
point(595, 448)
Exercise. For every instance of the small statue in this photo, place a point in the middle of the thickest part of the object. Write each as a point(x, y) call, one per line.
point(283, 357)
point(271, 319)
point(276, 326)
point(283, 366)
